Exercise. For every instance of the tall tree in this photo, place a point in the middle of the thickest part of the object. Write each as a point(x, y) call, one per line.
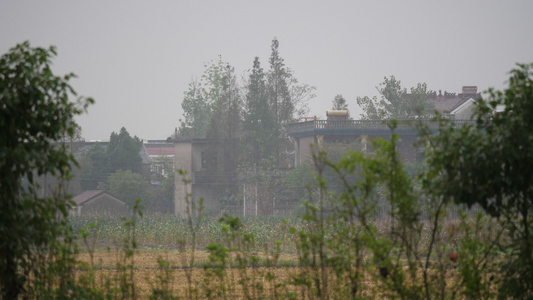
point(395, 102)
point(196, 112)
point(36, 114)
point(287, 99)
point(123, 151)
point(199, 100)
point(259, 120)
point(226, 120)
point(95, 167)
point(278, 87)
point(339, 103)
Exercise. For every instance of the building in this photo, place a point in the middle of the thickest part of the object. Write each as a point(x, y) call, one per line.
point(202, 177)
point(161, 156)
point(456, 106)
point(459, 107)
point(98, 202)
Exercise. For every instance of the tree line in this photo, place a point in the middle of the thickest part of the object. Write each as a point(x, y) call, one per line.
point(221, 109)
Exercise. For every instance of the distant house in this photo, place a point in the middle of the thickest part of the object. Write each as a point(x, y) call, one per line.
point(98, 202)
point(456, 106)
point(201, 174)
point(161, 154)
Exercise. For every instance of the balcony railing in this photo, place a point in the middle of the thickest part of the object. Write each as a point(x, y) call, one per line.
point(318, 125)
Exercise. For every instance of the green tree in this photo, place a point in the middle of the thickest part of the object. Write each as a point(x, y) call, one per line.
point(225, 123)
point(278, 87)
point(396, 103)
point(35, 115)
point(259, 121)
point(199, 100)
point(488, 163)
point(287, 99)
point(196, 112)
point(129, 186)
point(123, 151)
point(95, 167)
point(339, 103)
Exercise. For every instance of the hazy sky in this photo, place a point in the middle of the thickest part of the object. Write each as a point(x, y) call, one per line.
point(136, 58)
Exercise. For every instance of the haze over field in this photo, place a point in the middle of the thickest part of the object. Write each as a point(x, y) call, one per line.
point(136, 58)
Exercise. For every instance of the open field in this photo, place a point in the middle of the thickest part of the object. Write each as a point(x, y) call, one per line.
point(234, 282)
point(276, 265)
point(147, 269)
point(165, 232)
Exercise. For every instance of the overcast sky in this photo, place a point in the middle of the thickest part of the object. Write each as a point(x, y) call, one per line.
point(136, 58)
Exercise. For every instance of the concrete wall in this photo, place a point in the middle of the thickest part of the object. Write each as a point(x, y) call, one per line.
point(182, 161)
point(303, 151)
point(203, 184)
point(408, 152)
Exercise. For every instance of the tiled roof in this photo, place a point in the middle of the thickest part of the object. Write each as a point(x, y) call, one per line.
point(449, 101)
point(86, 196)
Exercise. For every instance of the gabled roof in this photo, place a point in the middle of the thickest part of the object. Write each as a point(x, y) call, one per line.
point(448, 102)
point(461, 105)
point(87, 195)
point(144, 156)
point(90, 195)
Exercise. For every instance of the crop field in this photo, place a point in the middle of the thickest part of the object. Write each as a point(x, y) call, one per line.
point(170, 233)
point(266, 258)
point(148, 273)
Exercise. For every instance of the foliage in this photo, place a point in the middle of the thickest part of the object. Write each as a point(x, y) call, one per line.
point(278, 87)
point(224, 126)
point(488, 163)
point(199, 101)
point(381, 226)
point(339, 103)
point(35, 115)
point(197, 112)
point(129, 186)
point(95, 167)
point(167, 192)
point(287, 99)
point(259, 121)
point(123, 151)
point(396, 103)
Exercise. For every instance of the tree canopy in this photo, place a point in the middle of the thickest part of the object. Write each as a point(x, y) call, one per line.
point(259, 120)
point(130, 186)
point(199, 100)
point(396, 102)
point(339, 103)
point(123, 151)
point(36, 113)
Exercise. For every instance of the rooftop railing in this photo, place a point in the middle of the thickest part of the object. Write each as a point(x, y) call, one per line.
point(360, 124)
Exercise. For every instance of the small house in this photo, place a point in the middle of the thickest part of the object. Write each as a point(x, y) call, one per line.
point(99, 202)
